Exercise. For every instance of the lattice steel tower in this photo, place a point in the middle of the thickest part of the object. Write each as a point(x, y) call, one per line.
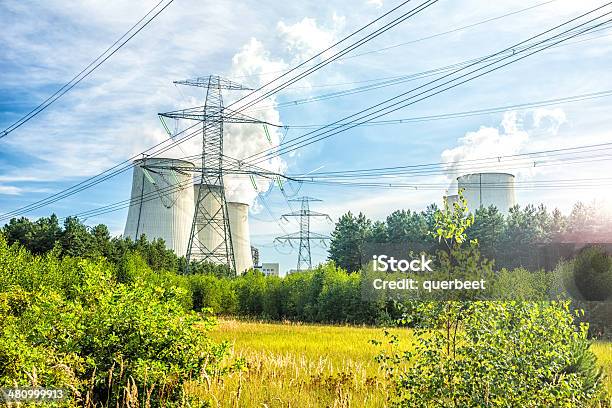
point(211, 217)
point(304, 236)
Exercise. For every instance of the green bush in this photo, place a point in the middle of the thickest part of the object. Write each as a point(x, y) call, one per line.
point(510, 354)
point(70, 323)
point(521, 284)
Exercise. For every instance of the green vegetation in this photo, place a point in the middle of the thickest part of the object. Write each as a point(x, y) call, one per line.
point(593, 274)
point(118, 324)
point(496, 354)
point(70, 322)
point(77, 240)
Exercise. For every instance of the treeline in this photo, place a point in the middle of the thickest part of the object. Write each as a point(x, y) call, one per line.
point(75, 239)
point(326, 294)
point(505, 238)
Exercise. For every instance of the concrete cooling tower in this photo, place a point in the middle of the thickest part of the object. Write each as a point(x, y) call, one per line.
point(486, 189)
point(241, 241)
point(161, 204)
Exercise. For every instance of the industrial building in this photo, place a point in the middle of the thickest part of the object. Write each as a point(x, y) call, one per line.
point(269, 268)
point(484, 190)
point(161, 203)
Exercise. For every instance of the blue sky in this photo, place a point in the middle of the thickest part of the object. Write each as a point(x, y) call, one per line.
point(112, 114)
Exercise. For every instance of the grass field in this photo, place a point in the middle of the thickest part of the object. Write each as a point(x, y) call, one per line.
point(299, 365)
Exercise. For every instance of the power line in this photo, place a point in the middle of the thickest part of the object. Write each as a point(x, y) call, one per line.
point(419, 170)
point(551, 185)
point(89, 182)
point(391, 105)
point(388, 82)
point(474, 112)
point(337, 55)
point(454, 30)
point(490, 160)
point(387, 109)
point(422, 38)
point(85, 72)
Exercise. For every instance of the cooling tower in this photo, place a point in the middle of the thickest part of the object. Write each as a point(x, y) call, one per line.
point(486, 189)
point(210, 237)
point(241, 241)
point(161, 204)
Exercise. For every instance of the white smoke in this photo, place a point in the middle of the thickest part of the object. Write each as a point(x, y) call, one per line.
point(254, 66)
point(513, 136)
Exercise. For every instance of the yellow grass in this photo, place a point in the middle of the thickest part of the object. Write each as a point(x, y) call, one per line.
point(300, 365)
point(603, 351)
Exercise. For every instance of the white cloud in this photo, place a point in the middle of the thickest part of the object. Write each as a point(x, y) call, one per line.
point(375, 3)
point(306, 38)
point(9, 190)
point(549, 119)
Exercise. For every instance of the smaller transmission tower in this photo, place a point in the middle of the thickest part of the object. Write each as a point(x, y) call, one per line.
point(304, 236)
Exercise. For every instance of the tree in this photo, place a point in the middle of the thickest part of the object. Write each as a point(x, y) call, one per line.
point(379, 232)
point(45, 234)
point(583, 218)
point(18, 230)
point(101, 240)
point(593, 274)
point(348, 238)
point(544, 222)
point(38, 237)
point(525, 226)
point(488, 228)
point(75, 239)
point(430, 219)
point(558, 223)
point(406, 226)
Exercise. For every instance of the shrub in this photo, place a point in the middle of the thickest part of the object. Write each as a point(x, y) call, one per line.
point(104, 340)
point(498, 354)
point(521, 284)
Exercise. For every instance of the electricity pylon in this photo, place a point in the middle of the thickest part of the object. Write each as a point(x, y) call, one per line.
point(304, 236)
point(211, 239)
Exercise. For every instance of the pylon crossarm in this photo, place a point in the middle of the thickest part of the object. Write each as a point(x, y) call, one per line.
point(203, 82)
